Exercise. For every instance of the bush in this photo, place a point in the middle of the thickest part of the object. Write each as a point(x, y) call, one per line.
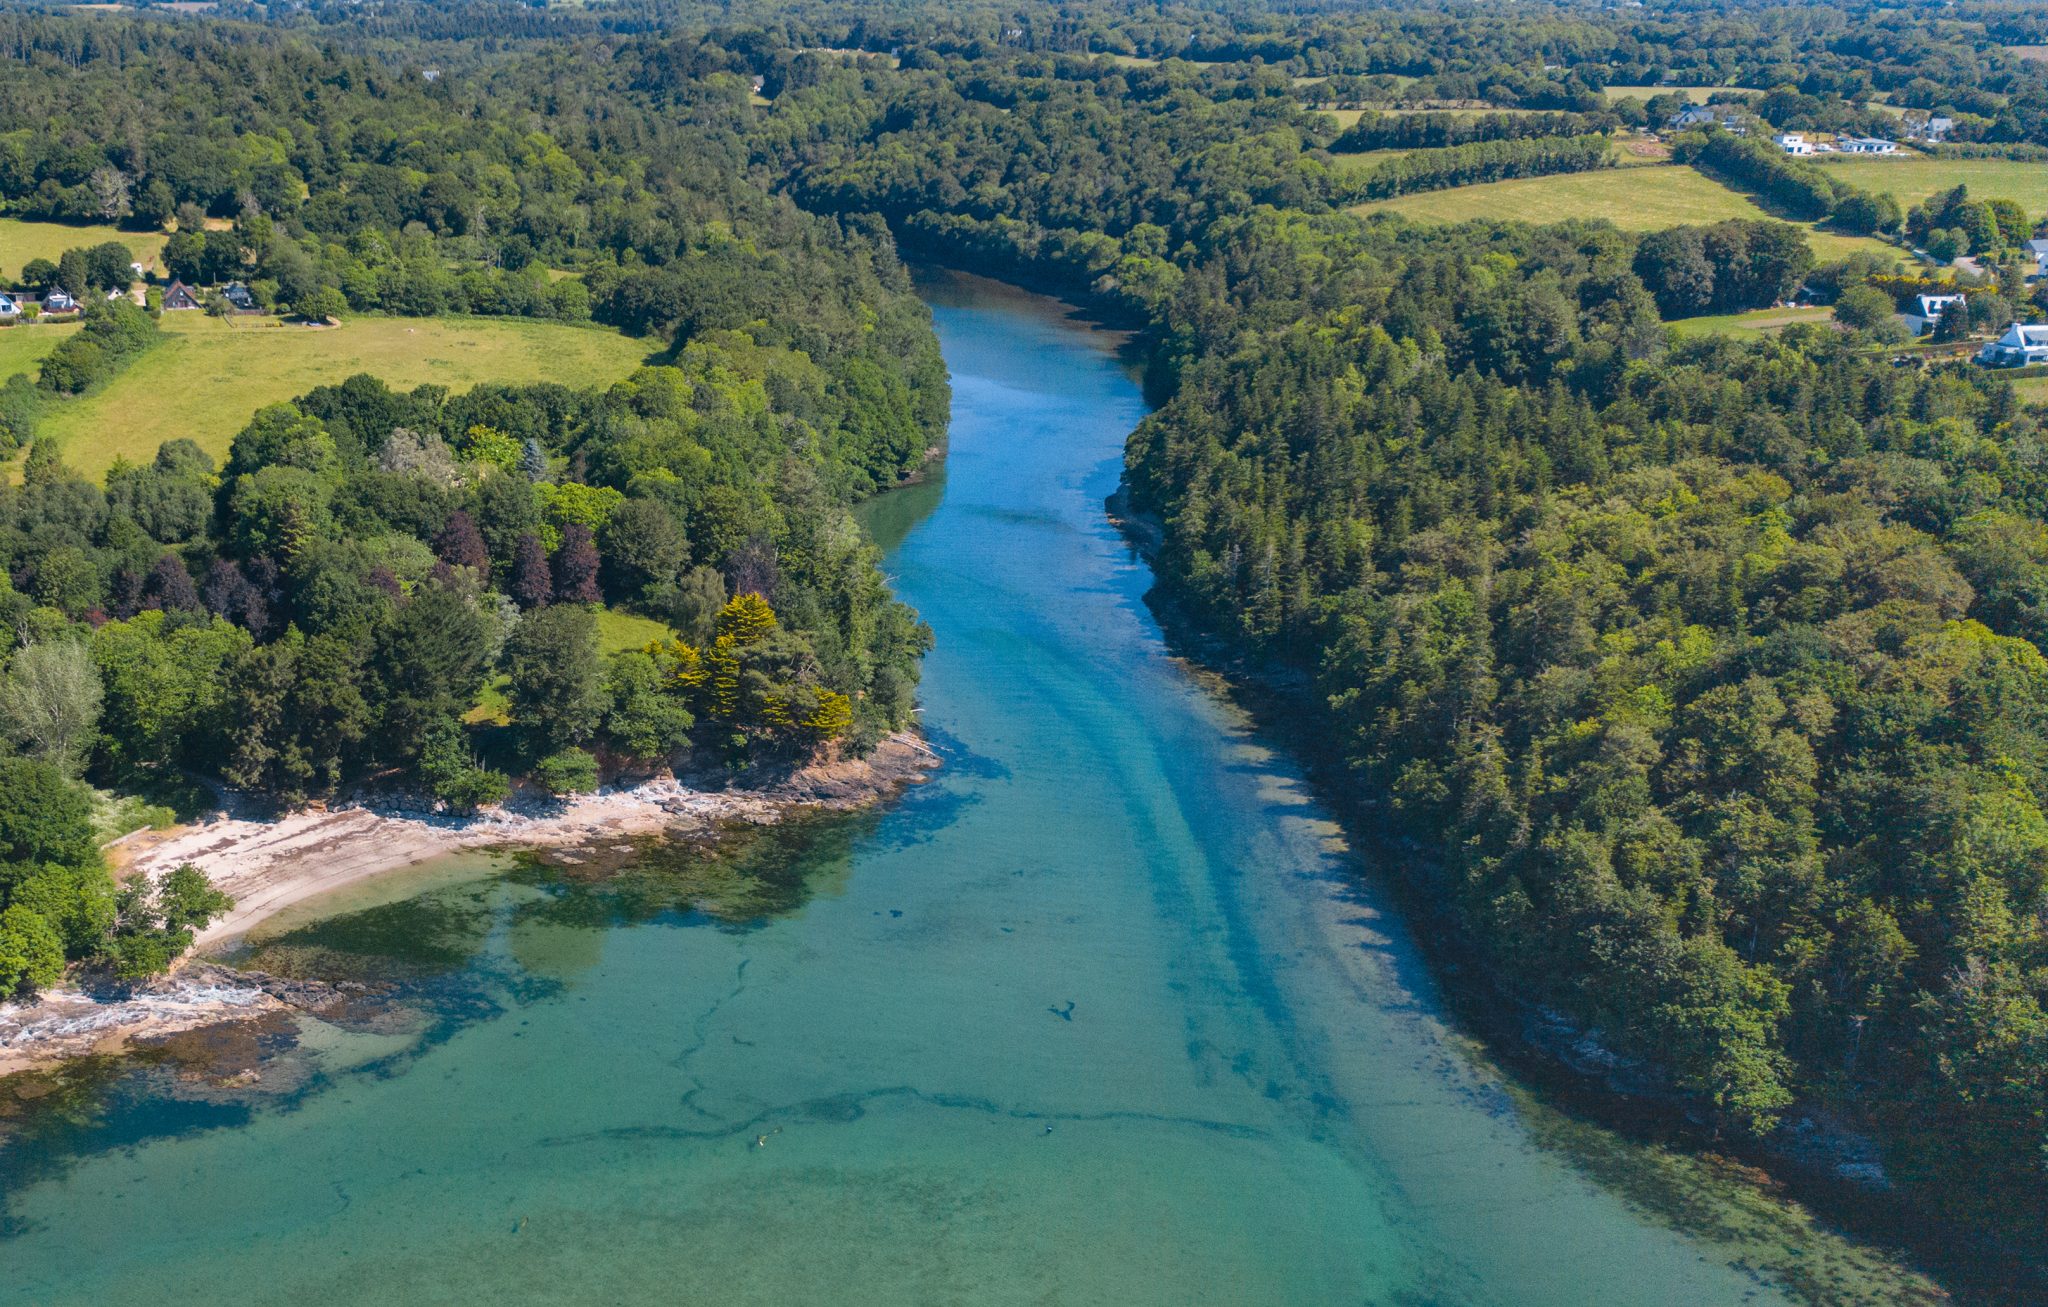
point(572, 771)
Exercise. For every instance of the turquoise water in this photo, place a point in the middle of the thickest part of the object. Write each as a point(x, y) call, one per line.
point(1099, 1015)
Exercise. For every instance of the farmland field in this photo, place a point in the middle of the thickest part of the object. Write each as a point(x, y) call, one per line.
point(208, 377)
point(21, 241)
point(1911, 180)
point(1644, 198)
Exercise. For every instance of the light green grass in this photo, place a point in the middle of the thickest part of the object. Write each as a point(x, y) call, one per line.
point(1693, 94)
point(1364, 160)
point(21, 241)
point(617, 630)
point(1912, 178)
point(22, 347)
point(205, 380)
point(1646, 198)
point(1758, 322)
point(2031, 390)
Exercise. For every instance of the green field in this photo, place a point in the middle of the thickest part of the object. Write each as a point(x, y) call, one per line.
point(1757, 322)
point(1646, 198)
point(21, 241)
point(22, 347)
point(1913, 178)
point(1695, 94)
point(208, 377)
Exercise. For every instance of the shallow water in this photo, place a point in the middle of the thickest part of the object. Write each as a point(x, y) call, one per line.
point(1099, 1015)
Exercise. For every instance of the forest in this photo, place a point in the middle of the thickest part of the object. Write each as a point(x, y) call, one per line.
point(1696, 681)
point(378, 586)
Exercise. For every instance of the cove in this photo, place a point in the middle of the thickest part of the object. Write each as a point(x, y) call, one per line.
point(1102, 1014)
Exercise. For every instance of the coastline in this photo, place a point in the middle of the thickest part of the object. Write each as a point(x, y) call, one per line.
point(271, 864)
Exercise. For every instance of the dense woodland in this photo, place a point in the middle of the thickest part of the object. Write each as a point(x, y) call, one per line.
point(1697, 682)
point(410, 587)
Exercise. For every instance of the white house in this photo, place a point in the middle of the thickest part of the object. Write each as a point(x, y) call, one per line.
point(1866, 145)
point(2038, 251)
point(1927, 311)
point(8, 308)
point(2023, 343)
point(1794, 143)
point(56, 301)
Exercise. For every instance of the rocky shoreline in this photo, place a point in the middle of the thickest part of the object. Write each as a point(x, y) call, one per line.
point(269, 864)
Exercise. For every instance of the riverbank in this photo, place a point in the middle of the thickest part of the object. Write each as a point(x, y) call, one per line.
point(270, 864)
point(1817, 1157)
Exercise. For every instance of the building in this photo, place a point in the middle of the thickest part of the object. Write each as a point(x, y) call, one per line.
point(1927, 311)
point(2038, 251)
point(1866, 145)
point(1933, 130)
point(179, 296)
point(238, 297)
point(56, 301)
point(8, 307)
point(2022, 344)
point(1793, 143)
point(1700, 116)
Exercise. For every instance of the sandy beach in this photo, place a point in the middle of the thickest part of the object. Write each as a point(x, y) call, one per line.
point(270, 864)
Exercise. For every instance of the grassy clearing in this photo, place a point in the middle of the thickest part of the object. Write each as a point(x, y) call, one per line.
point(1365, 160)
point(617, 629)
point(21, 241)
point(205, 380)
point(2036, 53)
point(1757, 322)
point(1645, 198)
point(2031, 390)
point(1912, 178)
point(1694, 94)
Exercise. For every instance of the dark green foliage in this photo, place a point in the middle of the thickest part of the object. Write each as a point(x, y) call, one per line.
point(114, 332)
point(551, 662)
point(1725, 268)
point(1486, 160)
point(572, 771)
point(1435, 131)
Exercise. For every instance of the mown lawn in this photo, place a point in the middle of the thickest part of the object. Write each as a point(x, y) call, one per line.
point(21, 241)
point(1912, 179)
point(1645, 198)
point(205, 380)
